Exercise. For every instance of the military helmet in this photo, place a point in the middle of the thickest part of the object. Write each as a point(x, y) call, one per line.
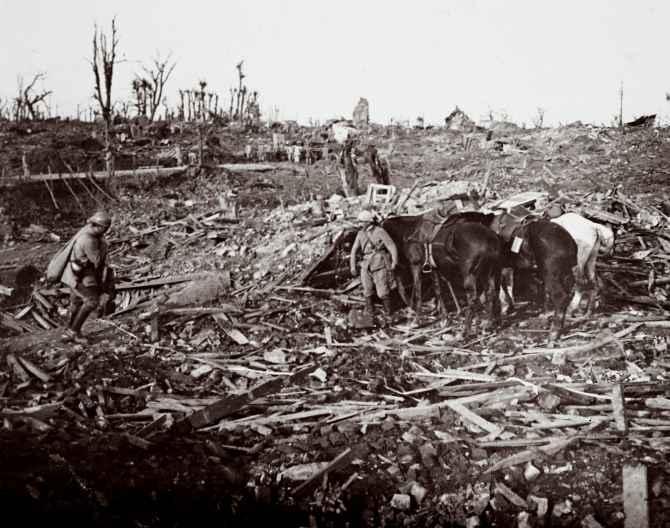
point(366, 216)
point(101, 218)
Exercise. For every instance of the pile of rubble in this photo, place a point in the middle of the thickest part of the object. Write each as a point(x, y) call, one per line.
point(230, 343)
point(446, 431)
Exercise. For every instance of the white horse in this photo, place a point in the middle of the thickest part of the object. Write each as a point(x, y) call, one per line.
point(592, 239)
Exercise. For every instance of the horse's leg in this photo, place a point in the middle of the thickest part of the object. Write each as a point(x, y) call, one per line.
point(590, 272)
point(470, 287)
point(417, 294)
point(560, 295)
point(506, 295)
point(494, 299)
point(580, 272)
point(442, 309)
point(402, 291)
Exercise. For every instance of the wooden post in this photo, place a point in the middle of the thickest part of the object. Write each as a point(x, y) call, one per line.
point(76, 198)
point(635, 496)
point(155, 334)
point(53, 198)
point(24, 164)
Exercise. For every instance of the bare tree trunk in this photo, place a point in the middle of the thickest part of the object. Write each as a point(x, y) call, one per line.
point(104, 60)
point(181, 105)
point(188, 102)
point(244, 93)
point(201, 144)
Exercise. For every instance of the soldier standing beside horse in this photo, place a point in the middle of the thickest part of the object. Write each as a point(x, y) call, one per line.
point(380, 258)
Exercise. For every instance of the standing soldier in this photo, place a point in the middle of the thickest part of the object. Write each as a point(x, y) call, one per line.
point(380, 257)
point(85, 272)
point(378, 166)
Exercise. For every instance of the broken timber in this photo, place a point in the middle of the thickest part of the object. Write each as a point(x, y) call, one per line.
point(227, 406)
point(9, 181)
point(635, 496)
point(338, 461)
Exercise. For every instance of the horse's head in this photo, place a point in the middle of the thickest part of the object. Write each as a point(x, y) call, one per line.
point(606, 237)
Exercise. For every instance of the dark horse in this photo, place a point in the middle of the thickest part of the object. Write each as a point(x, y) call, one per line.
point(530, 243)
point(467, 250)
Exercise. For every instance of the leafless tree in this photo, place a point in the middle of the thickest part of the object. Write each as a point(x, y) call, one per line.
point(202, 109)
point(241, 90)
point(166, 110)
point(3, 108)
point(182, 115)
point(26, 102)
point(233, 94)
point(124, 108)
point(153, 85)
point(103, 62)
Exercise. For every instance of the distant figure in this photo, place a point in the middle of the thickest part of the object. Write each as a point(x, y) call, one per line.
point(350, 173)
point(378, 166)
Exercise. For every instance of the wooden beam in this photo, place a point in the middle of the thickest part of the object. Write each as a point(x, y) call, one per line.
point(635, 496)
point(338, 461)
point(8, 181)
point(231, 404)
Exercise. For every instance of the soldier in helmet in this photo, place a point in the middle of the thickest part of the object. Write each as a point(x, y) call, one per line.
point(85, 273)
point(380, 257)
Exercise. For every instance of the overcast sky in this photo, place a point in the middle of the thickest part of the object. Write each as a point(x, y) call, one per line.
point(408, 58)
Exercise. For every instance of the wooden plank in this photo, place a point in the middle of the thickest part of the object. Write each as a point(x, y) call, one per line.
point(635, 496)
point(17, 368)
point(42, 300)
point(566, 395)
point(153, 283)
point(282, 418)
point(338, 461)
point(23, 312)
point(455, 374)
point(231, 404)
point(8, 321)
point(554, 447)
point(8, 181)
point(510, 495)
point(660, 403)
point(474, 418)
point(34, 370)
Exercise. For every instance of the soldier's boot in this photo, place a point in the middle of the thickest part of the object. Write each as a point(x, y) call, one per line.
point(388, 309)
point(369, 306)
point(86, 309)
